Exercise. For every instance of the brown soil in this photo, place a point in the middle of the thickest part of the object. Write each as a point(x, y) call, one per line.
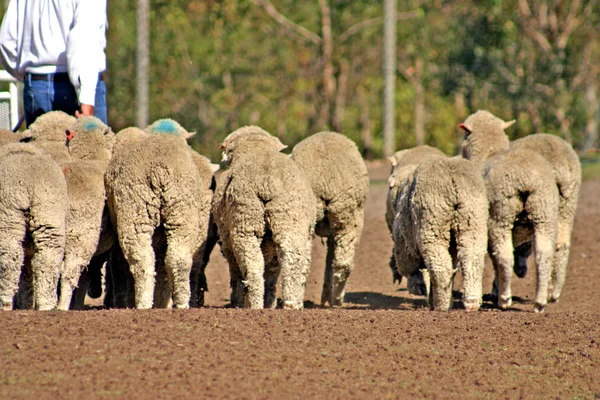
point(383, 343)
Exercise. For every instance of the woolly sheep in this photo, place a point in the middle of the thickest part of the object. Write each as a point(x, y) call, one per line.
point(265, 212)
point(440, 225)
point(90, 143)
point(400, 159)
point(340, 183)
point(154, 187)
point(48, 132)
point(33, 204)
point(567, 174)
point(523, 200)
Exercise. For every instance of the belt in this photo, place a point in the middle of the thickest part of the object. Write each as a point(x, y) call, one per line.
point(56, 77)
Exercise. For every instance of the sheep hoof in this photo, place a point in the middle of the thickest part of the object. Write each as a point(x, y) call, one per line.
point(291, 305)
point(539, 308)
point(504, 303)
point(553, 299)
point(471, 304)
point(6, 306)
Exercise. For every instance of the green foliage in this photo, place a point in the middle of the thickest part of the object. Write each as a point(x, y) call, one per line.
point(217, 65)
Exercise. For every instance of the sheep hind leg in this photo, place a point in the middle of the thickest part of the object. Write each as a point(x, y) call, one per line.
point(139, 254)
point(544, 256)
point(45, 265)
point(438, 260)
point(251, 264)
point(12, 256)
point(561, 257)
point(501, 252)
point(178, 263)
point(163, 294)
point(294, 256)
point(236, 283)
point(346, 243)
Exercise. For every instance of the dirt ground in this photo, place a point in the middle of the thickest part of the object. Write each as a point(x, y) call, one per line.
point(383, 343)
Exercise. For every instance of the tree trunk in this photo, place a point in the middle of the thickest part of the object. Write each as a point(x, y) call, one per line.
point(142, 61)
point(419, 103)
point(366, 133)
point(389, 74)
point(340, 101)
point(593, 119)
point(328, 82)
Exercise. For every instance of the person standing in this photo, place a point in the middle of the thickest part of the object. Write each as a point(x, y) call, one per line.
point(56, 47)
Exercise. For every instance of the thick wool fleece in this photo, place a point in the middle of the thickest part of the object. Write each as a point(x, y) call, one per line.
point(48, 132)
point(340, 183)
point(152, 186)
point(33, 204)
point(265, 212)
point(95, 141)
point(567, 174)
point(90, 144)
point(251, 132)
point(523, 199)
point(399, 175)
point(400, 159)
point(440, 225)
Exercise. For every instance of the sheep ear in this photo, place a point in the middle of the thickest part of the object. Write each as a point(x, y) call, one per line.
point(282, 147)
point(222, 146)
point(393, 161)
point(189, 135)
point(465, 128)
point(70, 134)
point(507, 124)
point(215, 167)
point(391, 182)
point(107, 130)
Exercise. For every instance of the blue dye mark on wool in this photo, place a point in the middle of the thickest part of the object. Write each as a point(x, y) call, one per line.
point(165, 127)
point(90, 125)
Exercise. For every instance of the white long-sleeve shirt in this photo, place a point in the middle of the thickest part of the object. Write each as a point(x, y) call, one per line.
point(48, 36)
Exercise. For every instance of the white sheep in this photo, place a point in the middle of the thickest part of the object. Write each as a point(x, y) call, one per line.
point(523, 200)
point(90, 143)
point(567, 174)
point(340, 183)
point(400, 159)
point(440, 226)
point(153, 189)
point(265, 212)
point(33, 210)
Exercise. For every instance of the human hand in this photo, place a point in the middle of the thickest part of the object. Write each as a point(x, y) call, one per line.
point(86, 109)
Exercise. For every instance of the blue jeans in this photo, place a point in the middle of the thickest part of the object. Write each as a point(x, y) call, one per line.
point(42, 96)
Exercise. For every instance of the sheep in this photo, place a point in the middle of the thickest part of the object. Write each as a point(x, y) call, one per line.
point(440, 226)
point(265, 211)
point(523, 200)
point(400, 159)
point(89, 234)
point(340, 183)
point(48, 133)
point(33, 204)
point(567, 174)
point(154, 188)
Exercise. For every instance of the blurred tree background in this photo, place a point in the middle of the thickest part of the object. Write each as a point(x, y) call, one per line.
point(296, 68)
